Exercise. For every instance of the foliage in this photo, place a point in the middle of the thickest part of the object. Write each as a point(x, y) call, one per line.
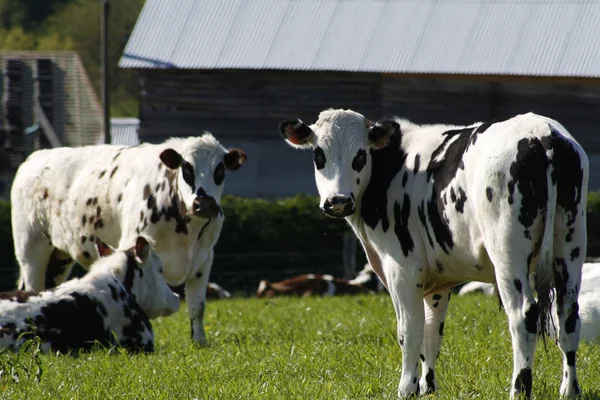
point(306, 348)
point(24, 365)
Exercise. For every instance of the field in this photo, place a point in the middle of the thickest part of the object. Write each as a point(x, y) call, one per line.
point(315, 348)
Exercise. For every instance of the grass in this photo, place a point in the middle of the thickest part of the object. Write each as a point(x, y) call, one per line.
point(316, 348)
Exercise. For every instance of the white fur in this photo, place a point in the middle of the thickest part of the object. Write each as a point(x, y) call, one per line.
point(488, 238)
point(52, 188)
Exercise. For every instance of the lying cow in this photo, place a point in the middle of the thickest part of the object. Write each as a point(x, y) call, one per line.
point(438, 205)
point(111, 305)
point(309, 285)
point(215, 291)
point(368, 278)
point(63, 198)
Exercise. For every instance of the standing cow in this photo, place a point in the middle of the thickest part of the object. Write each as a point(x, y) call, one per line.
point(63, 198)
point(437, 205)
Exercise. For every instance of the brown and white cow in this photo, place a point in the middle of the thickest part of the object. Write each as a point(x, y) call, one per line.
point(438, 205)
point(111, 305)
point(309, 285)
point(65, 197)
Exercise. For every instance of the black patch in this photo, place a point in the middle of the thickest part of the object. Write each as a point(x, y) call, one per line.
point(574, 253)
point(571, 358)
point(99, 224)
point(531, 318)
point(404, 179)
point(528, 173)
point(478, 267)
point(319, 158)
point(133, 331)
point(203, 228)
point(55, 268)
point(441, 230)
point(386, 163)
point(83, 239)
point(132, 266)
point(423, 219)
point(89, 201)
point(147, 191)
point(151, 203)
point(460, 201)
point(439, 267)
point(436, 297)
point(419, 285)
point(430, 384)
point(114, 171)
point(358, 181)
point(86, 254)
point(155, 216)
point(523, 382)
point(571, 321)
point(189, 176)
point(117, 155)
point(98, 211)
point(360, 160)
point(561, 277)
point(198, 275)
point(441, 332)
point(489, 193)
point(519, 286)
point(157, 187)
point(45, 196)
point(141, 215)
point(401, 227)
point(113, 292)
point(219, 174)
point(120, 197)
point(91, 219)
point(569, 235)
point(417, 164)
point(92, 238)
point(422, 357)
point(95, 201)
point(102, 174)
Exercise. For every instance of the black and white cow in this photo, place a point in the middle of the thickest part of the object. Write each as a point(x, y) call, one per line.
point(63, 198)
point(434, 206)
point(110, 305)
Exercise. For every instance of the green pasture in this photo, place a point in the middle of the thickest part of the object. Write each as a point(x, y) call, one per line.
point(291, 348)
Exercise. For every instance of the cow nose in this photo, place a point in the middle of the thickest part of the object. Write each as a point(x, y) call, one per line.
point(338, 206)
point(205, 207)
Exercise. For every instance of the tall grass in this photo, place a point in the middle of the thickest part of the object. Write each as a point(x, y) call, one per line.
point(315, 348)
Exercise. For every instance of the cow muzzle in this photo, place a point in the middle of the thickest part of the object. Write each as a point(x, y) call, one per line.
point(205, 207)
point(338, 206)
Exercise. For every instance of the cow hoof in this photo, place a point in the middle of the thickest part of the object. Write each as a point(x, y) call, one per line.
point(202, 342)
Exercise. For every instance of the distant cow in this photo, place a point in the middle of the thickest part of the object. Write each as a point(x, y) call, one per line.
point(309, 285)
point(368, 278)
point(111, 305)
point(216, 292)
point(63, 198)
point(438, 205)
point(477, 287)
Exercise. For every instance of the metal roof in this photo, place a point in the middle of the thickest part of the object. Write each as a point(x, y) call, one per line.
point(517, 37)
point(124, 131)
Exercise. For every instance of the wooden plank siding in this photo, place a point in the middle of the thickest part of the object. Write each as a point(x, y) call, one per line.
point(243, 108)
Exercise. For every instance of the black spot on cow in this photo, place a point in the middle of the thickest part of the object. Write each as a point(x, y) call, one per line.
point(523, 382)
point(386, 163)
point(98, 211)
point(155, 216)
point(422, 357)
point(147, 191)
point(141, 215)
point(91, 219)
point(99, 224)
point(102, 173)
point(569, 235)
point(511, 191)
point(151, 203)
point(358, 181)
point(219, 174)
point(401, 215)
point(83, 239)
point(404, 179)
point(419, 285)
point(45, 196)
point(117, 155)
point(414, 380)
point(198, 275)
point(441, 332)
point(439, 266)
point(360, 160)
point(574, 253)
point(114, 171)
point(319, 158)
point(571, 358)
point(92, 238)
point(436, 297)
point(423, 219)
point(89, 201)
point(157, 187)
point(561, 277)
point(86, 254)
point(95, 201)
point(460, 201)
point(189, 176)
point(120, 197)
point(518, 286)
point(83, 220)
point(531, 318)
point(417, 164)
point(429, 378)
point(489, 193)
point(132, 266)
point(138, 321)
point(478, 267)
point(113, 292)
point(571, 321)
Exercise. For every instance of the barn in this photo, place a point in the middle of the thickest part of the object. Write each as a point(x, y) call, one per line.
point(238, 67)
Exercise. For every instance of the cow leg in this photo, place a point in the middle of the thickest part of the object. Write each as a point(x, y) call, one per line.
point(436, 306)
point(33, 252)
point(406, 292)
point(195, 294)
point(59, 268)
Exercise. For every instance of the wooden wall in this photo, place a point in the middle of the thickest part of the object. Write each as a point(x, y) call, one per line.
point(243, 109)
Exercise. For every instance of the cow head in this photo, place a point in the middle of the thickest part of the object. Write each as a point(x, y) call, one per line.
point(143, 276)
point(202, 165)
point(341, 141)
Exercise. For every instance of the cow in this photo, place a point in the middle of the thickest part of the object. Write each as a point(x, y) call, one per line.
point(216, 292)
point(309, 285)
point(368, 278)
point(487, 289)
point(438, 205)
point(63, 198)
point(110, 306)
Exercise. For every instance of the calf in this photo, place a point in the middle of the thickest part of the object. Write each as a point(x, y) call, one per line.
point(216, 292)
point(309, 285)
point(110, 305)
point(438, 205)
point(65, 197)
point(368, 278)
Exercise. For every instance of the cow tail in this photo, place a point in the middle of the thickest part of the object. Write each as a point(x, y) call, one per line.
point(544, 272)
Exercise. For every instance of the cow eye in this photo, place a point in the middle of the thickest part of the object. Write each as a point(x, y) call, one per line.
point(219, 174)
point(319, 157)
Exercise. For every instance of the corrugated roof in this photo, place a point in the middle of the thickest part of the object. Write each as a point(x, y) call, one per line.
point(516, 37)
point(124, 131)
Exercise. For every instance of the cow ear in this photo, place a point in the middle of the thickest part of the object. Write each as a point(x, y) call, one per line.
point(297, 133)
point(142, 249)
point(380, 131)
point(103, 249)
point(171, 158)
point(234, 159)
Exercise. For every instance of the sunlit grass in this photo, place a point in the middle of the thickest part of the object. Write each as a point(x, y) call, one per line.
point(316, 348)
